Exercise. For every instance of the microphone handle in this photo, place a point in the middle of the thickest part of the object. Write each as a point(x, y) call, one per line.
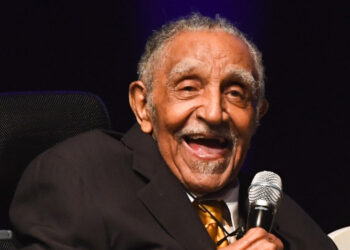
point(260, 216)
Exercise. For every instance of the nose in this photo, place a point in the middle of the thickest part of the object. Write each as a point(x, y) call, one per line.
point(212, 108)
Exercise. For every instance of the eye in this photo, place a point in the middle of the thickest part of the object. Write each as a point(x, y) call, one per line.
point(187, 88)
point(236, 94)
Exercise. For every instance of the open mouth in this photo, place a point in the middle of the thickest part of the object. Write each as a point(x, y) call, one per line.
point(208, 146)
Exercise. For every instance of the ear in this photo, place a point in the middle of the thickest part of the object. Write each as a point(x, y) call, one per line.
point(138, 104)
point(263, 108)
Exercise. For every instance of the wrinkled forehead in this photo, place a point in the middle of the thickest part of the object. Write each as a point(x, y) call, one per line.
point(188, 66)
point(189, 48)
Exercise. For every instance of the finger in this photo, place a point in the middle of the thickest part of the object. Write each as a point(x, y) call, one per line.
point(275, 240)
point(259, 239)
point(268, 242)
point(250, 238)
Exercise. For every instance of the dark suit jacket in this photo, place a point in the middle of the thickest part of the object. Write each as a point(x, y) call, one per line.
point(95, 192)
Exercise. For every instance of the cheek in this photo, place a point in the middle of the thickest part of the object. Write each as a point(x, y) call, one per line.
point(173, 115)
point(244, 121)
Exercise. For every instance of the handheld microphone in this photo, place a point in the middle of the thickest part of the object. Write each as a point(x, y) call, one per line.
point(264, 194)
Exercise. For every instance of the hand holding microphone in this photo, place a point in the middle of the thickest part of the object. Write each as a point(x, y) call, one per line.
point(256, 238)
point(265, 193)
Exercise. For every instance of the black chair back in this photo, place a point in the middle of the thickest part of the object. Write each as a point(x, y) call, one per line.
point(31, 123)
point(6, 241)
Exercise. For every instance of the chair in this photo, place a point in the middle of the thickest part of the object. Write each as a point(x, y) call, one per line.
point(6, 240)
point(341, 238)
point(32, 122)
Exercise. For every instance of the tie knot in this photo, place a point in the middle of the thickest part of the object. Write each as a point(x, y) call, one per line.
point(207, 211)
point(214, 207)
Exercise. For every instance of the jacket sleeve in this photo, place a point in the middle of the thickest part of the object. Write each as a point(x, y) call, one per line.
point(298, 230)
point(54, 209)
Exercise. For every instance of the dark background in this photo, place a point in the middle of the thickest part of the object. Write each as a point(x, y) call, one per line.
point(95, 47)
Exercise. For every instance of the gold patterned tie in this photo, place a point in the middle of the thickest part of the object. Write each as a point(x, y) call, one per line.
point(215, 232)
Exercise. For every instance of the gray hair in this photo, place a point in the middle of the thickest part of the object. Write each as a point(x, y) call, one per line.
point(195, 22)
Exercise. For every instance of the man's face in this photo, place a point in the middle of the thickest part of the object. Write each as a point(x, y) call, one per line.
point(204, 114)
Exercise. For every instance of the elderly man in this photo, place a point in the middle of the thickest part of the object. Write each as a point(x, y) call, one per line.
point(198, 100)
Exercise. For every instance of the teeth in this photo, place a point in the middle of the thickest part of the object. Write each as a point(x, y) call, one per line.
point(195, 137)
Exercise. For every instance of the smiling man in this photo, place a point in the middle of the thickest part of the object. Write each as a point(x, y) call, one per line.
point(204, 109)
point(198, 101)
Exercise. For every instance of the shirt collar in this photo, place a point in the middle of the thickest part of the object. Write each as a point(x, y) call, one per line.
point(230, 195)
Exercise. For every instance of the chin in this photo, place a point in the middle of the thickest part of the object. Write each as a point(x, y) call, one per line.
point(207, 183)
point(203, 177)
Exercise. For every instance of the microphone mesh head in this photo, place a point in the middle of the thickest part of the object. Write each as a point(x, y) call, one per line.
point(266, 186)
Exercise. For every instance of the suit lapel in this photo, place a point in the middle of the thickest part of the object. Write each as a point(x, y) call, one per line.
point(167, 201)
point(243, 204)
point(165, 197)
